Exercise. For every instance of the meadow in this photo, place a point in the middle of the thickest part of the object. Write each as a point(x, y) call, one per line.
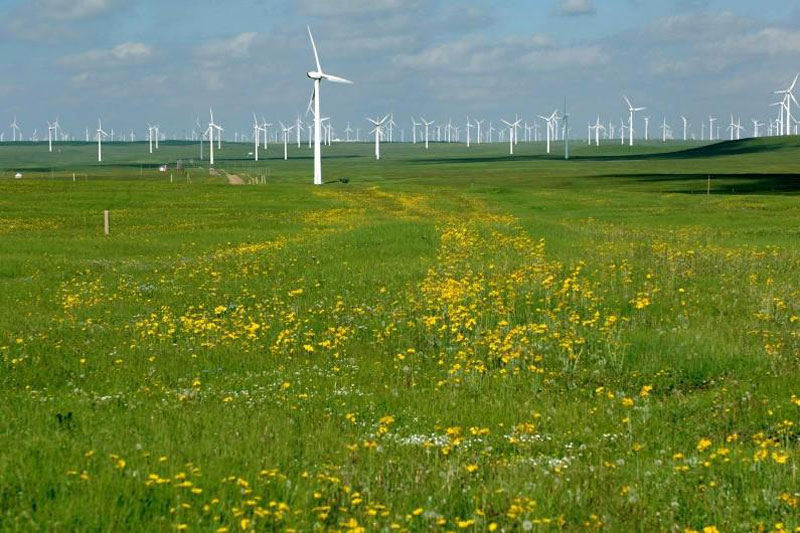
point(443, 340)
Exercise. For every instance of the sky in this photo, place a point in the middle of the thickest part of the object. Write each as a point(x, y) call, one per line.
point(168, 61)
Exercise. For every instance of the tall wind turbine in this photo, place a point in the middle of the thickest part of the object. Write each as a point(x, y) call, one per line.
point(100, 135)
point(378, 123)
point(631, 110)
point(597, 127)
point(286, 132)
point(50, 128)
point(211, 127)
point(257, 129)
point(788, 98)
point(550, 126)
point(685, 125)
point(756, 126)
point(318, 75)
point(512, 134)
point(427, 130)
point(711, 121)
point(14, 129)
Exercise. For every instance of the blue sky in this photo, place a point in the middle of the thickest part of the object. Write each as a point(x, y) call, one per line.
point(168, 61)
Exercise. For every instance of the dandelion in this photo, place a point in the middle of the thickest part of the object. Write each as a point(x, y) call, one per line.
point(703, 444)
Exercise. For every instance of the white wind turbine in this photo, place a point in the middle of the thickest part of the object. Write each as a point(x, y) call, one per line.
point(100, 135)
point(257, 129)
point(318, 75)
point(469, 127)
point(711, 121)
point(298, 127)
point(788, 98)
point(550, 126)
point(150, 130)
point(478, 124)
point(597, 127)
point(347, 131)
point(14, 129)
point(631, 110)
point(286, 132)
point(427, 130)
point(50, 129)
point(756, 126)
point(685, 126)
point(512, 134)
point(664, 129)
point(414, 125)
point(211, 127)
point(378, 123)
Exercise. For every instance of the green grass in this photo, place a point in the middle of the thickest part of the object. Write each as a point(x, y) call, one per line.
point(452, 340)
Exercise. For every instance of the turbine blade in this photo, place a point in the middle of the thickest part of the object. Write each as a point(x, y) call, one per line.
point(336, 79)
point(314, 46)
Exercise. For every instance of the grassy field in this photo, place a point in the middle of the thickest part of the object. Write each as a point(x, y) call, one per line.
point(451, 340)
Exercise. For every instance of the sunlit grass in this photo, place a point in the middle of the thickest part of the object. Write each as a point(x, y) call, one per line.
point(443, 343)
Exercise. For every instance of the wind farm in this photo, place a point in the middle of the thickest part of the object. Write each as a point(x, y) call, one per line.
point(375, 313)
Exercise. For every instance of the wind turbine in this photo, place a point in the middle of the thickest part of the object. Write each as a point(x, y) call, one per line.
point(479, 123)
point(14, 129)
point(347, 131)
point(50, 128)
point(257, 129)
point(550, 121)
point(756, 126)
point(427, 129)
point(378, 123)
point(685, 125)
point(286, 132)
point(318, 75)
point(414, 125)
point(597, 128)
point(211, 127)
point(631, 110)
point(100, 135)
point(469, 127)
point(150, 130)
point(711, 121)
point(512, 134)
point(788, 98)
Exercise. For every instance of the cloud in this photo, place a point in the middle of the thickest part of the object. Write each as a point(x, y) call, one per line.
point(236, 47)
point(326, 8)
point(124, 54)
point(52, 19)
point(72, 9)
point(473, 55)
point(572, 8)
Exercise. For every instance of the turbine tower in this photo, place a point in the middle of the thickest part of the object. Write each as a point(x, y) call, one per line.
point(378, 123)
point(100, 135)
point(631, 110)
point(318, 75)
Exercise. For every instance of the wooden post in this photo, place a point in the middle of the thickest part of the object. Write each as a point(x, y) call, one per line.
point(106, 222)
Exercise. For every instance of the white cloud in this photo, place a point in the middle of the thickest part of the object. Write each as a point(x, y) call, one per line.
point(124, 54)
point(529, 54)
point(52, 19)
point(72, 9)
point(571, 8)
point(326, 8)
point(236, 47)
